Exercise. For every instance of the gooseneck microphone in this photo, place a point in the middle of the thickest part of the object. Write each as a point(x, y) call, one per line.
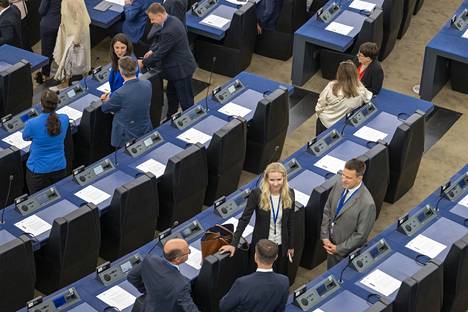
point(209, 82)
point(10, 182)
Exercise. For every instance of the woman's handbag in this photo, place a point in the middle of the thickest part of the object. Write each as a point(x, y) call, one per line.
point(216, 237)
point(76, 60)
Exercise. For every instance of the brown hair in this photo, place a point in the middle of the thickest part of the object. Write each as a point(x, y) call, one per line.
point(347, 80)
point(155, 8)
point(124, 40)
point(266, 251)
point(356, 165)
point(49, 102)
point(369, 49)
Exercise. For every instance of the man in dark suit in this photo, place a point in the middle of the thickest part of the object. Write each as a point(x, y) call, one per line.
point(10, 25)
point(349, 214)
point(130, 105)
point(164, 287)
point(173, 56)
point(261, 291)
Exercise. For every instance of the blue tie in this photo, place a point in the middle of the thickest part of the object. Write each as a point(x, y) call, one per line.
point(341, 202)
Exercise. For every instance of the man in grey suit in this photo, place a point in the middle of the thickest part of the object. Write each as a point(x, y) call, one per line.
point(349, 214)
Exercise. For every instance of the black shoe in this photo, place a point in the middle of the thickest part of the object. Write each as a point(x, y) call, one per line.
point(39, 78)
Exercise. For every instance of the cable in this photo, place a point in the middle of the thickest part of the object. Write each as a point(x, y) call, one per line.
point(10, 182)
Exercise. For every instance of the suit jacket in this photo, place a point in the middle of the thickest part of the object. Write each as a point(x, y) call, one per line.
point(49, 10)
point(257, 292)
point(131, 106)
point(173, 55)
point(177, 8)
point(354, 222)
point(262, 222)
point(10, 27)
point(165, 289)
point(135, 19)
point(373, 76)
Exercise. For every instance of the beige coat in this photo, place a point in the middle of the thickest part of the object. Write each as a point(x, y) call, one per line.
point(331, 108)
point(74, 29)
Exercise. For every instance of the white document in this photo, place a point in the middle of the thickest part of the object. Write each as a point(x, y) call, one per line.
point(153, 166)
point(381, 282)
point(330, 163)
point(119, 2)
point(92, 194)
point(34, 225)
point(232, 109)
point(16, 139)
point(339, 28)
point(104, 88)
point(464, 201)
point(193, 136)
point(215, 21)
point(425, 246)
point(72, 113)
point(370, 134)
point(318, 310)
point(248, 229)
point(301, 197)
point(362, 5)
point(465, 34)
point(194, 258)
point(117, 297)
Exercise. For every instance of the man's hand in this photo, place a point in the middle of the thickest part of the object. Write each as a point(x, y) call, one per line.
point(140, 64)
point(291, 254)
point(105, 97)
point(128, 2)
point(329, 247)
point(259, 29)
point(228, 248)
point(148, 54)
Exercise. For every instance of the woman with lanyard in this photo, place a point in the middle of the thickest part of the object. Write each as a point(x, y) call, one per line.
point(273, 204)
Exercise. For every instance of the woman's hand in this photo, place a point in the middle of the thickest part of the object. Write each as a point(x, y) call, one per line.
point(228, 248)
point(291, 254)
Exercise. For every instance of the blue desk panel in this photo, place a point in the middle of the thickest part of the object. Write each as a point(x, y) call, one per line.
point(101, 19)
point(12, 55)
point(6, 237)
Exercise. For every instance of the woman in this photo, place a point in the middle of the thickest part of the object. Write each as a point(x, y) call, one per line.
point(46, 163)
point(370, 71)
point(49, 10)
point(340, 96)
point(73, 48)
point(273, 204)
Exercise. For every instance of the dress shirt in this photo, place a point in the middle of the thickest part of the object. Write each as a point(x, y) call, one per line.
point(1, 12)
point(351, 191)
point(264, 270)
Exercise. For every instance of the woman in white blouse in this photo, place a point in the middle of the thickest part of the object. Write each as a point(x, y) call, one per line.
point(340, 96)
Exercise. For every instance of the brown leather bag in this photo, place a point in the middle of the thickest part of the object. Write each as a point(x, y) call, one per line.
point(216, 237)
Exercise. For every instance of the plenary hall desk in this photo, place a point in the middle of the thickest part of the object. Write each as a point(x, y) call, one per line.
point(10, 55)
point(103, 19)
point(447, 45)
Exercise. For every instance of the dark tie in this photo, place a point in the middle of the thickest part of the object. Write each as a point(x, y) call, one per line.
point(341, 202)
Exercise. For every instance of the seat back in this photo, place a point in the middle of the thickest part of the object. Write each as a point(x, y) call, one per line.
point(393, 15)
point(11, 166)
point(18, 274)
point(157, 97)
point(371, 31)
point(239, 35)
point(408, 9)
point(16, 89)
point(292, 16)
point(131, 219)
point(226, 154)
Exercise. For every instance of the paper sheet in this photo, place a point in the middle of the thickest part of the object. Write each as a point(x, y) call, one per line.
point(153, 166)
point(301, 197)
point(318, 310)
point(215, 21)
point(195, 258)
point(330, 163)
point(193, 136)
point(339, 28)
point(465, 34)
point(34, 225)
point(117, 297)
point(16, 139)
point(464, 201)
point(92, 194)
point(119, 2)
point(370, 134)
point(425, 246)
point(248, 229)
point(362, 5)
point(104, 88)
point(72, 113)
point(381, 282)
point(232, 109)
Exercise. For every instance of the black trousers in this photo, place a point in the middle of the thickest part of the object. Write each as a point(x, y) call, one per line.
point(39, 181)
point(319, 127)
point(48, 39)
point(179, 92)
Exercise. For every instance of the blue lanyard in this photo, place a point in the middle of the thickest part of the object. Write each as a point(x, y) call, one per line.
point(275, 215)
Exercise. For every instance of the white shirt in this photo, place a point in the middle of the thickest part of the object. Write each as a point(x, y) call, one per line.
point(264, 270)
point(275, 238)
point(351, 191)
point(1, 12)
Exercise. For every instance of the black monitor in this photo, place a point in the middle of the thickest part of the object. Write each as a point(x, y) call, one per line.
point(16, 90)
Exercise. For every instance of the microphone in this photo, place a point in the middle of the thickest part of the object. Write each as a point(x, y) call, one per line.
point(346, 121)
point(209, 82)
point(10, 182)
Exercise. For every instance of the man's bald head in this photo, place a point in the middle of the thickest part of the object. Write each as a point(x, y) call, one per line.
point(176, 250)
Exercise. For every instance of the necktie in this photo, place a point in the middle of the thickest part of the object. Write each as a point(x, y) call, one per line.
point(341, 202)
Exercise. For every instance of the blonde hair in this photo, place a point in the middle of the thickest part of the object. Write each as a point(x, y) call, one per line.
point(347, 80)
point(265, 187)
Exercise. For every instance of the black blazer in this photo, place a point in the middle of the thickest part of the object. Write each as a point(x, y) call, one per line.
point(173, 55)
point(10, 27)
point(262, 222)
point(373, 76)
point(257, 292)
point(164, 287)
point(49, 10)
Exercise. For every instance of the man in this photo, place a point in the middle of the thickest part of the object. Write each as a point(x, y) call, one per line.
point(173, 56)
point(159, 279)
point(349, 214)
point(261, 291)
point(10, 25)
point(130, 105)
point(268, 13)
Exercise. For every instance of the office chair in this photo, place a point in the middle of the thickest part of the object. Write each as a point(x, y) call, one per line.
point(408, 10)
point(12, 165)
point(459, 76)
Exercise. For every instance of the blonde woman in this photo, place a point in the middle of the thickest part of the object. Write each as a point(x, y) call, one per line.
point(340, 96)
point(273, 203)
point(73, 48)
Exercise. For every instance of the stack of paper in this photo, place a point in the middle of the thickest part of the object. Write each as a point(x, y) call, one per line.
point(152, 166)
point(117, 297)
point(119, 2)
point(302, 198)
point(330, 163)
point(72, 113)
point(16, 139)
point(248, 229)
point(362, 5)
point(91, 194)
point(193, 136)
point(232, 109)
point(464, 201)
point(215, 21)
point(370, 134)
point(195, 258)
point(425, 246)
point(105, 88)
point(34, 225)
point(465, 34)
point(339, 28)
point(381, 282)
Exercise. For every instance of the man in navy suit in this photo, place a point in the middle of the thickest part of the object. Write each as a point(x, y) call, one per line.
point(164, 287)
point(130, 105)
point(261, 291)
point(10, 25)
point(173, 56)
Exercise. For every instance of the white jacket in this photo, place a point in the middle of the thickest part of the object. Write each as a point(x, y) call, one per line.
point(331, 108)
